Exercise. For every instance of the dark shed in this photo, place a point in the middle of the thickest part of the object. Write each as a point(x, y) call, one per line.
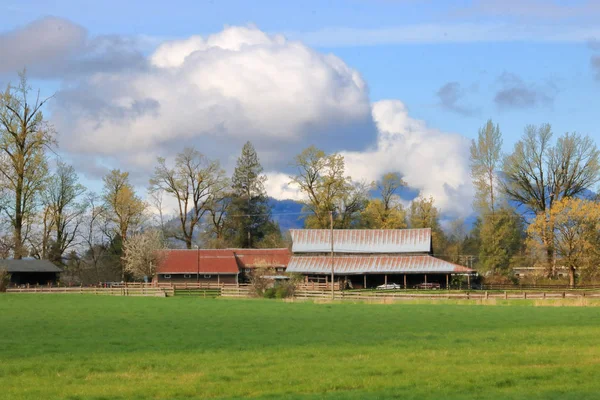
point(31, 271)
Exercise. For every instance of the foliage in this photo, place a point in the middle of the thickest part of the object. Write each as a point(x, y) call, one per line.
point(387, 212)
point(122, 207)
point(321, 178)
point(424, 214)
point(248, 217)
point(4, 279)
point(143, 253)
point(485, 162)
point(260, 279)
point(134, 348)
point(501, 235)
point(194, 182)
point(24, 138)
point(572, 228)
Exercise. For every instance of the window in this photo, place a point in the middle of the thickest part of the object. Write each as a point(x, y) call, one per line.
point(207, 276)
point(187, 275)
point(247, 270)
point(167, 276)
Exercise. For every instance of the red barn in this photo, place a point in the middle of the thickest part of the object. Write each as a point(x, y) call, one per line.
point(219, 266)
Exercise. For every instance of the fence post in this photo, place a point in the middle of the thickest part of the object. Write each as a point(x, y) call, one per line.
point(505, 295)
point(486, 295)
point(563, 295)
point(524, 295)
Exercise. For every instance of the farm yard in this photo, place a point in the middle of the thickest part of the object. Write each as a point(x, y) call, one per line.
point(102, 347)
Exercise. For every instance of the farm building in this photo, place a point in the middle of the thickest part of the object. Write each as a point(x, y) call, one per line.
point(370, 257)
point(31, 271)
point(219, 266)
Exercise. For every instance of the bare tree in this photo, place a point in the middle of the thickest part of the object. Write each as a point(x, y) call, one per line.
point(24, 138)
point(194, 181)
point(62, 198)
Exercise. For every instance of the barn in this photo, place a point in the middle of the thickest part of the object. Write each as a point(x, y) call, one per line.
point(365, 258)
point(219, 266)
point(31, 271)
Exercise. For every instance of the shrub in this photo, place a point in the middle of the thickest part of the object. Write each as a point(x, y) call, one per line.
point(4, 279)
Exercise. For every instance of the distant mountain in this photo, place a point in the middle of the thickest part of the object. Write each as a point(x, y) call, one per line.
point(287, 213)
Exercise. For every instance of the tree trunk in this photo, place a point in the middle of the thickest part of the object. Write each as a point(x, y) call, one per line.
point(572, 277)
point(18, 225)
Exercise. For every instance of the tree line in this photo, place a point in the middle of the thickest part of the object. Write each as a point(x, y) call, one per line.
point(534, 206)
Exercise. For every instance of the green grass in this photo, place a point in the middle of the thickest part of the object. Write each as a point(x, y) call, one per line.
point(85, 347)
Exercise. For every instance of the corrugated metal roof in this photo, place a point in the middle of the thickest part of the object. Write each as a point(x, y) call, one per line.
point(28, 265)
point(358, 265)
point(250, 258)
point(204, 261)
point(361, 240)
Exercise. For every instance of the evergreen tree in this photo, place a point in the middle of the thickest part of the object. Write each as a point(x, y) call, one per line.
point(248, 219)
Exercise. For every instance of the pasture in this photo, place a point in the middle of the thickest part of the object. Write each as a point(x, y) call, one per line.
point(86, 347)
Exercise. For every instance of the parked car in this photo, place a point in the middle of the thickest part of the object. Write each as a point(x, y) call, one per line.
point(428, 285)
point(390, 286)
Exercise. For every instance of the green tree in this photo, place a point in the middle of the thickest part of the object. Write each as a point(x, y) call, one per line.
point(424, 214)
point(386, 212)
point(248, 216)
point(485, 164)
point(322, 179)
point(501, 237)
point(194, 182)
point(24, 138)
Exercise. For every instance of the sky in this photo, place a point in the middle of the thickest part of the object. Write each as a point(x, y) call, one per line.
point(394, 85)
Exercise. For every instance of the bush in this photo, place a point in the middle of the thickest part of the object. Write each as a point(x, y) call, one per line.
point(270, 293)
point(4, 279)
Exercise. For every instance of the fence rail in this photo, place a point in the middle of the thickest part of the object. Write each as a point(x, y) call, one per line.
point(122, 291)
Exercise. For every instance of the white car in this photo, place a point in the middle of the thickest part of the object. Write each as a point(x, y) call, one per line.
point(390, 286)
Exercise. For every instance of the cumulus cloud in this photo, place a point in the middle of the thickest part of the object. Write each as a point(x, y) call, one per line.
point(516, 93)
point(451, 96)
point(216, 93)
point(434, 162)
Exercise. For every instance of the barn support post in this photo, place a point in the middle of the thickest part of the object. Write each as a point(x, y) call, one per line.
point(385, 279)
point(469, 281)
point(425, 278)
point(364, 281)
point(447, 282)
point(405, 287)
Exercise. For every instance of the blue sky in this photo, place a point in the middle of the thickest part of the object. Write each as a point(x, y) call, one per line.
point(452, 64)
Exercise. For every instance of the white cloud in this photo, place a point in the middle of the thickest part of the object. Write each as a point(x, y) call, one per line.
point(278, 186)
point(216, 93)
point(242, 84)
point(432, 161)
point(449, 32)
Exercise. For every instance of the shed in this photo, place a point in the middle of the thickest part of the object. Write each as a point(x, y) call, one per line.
point(31, 271)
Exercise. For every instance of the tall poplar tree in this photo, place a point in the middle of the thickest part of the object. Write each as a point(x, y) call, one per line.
point(24, 138)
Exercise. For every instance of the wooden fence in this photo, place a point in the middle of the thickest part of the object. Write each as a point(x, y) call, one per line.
point(112, 291)
point(432, 295)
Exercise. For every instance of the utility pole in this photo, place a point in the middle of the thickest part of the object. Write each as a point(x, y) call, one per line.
point(332, 268)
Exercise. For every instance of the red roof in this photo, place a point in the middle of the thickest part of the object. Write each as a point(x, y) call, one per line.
point(222, 261)
point(202, 261)
point(250, 258)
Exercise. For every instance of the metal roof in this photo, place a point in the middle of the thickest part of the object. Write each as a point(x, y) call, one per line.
point(28, 265)
point(361, 240)
point(203, 261)
point(250, 258)
point(359, 265)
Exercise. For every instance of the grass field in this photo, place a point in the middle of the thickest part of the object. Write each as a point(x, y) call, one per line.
point(85, 347)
